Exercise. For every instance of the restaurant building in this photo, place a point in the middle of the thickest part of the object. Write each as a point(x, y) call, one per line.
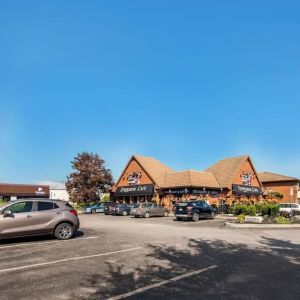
point(288, 187)
point(10, 191)
point(228, 181)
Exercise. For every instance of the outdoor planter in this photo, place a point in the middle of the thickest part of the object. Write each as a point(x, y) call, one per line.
point(254, 220)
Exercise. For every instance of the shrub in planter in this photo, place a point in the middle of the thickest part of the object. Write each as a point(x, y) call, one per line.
point(273, 210)
point(251, 210)
point(283, 220)
point(241, 219)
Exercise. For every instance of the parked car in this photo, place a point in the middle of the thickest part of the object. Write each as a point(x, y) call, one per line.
point(109, 209)
point(289, 208)
point(96, 208)
point(122, 209)
point(193, 210)
point(29, 217)
point(147, 210)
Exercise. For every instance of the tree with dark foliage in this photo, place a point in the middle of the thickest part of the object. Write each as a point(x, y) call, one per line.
point(89, 179)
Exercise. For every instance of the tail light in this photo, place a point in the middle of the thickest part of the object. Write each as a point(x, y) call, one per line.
point(73, 212)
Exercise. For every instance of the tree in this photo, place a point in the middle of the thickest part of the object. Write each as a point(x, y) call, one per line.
point(90, 178)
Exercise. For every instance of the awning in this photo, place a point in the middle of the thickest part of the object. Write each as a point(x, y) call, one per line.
point(135, 190)
point(246, 190)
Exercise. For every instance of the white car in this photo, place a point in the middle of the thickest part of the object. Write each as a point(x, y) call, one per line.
point(289, 208)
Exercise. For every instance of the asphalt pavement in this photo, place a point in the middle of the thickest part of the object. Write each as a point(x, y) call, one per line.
point(158, 258)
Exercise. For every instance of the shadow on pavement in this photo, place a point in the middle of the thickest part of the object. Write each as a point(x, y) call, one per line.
point(270, 270)
point(39, 238)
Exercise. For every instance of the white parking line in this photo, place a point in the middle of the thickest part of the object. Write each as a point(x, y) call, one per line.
point(51, 242)
point(66, 260)
point(155, 285)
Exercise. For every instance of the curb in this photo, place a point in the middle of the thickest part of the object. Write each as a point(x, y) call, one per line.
point(264, 226)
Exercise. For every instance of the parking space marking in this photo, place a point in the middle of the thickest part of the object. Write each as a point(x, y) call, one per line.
point(51, 242)
point(155, 285)
point(67, 260)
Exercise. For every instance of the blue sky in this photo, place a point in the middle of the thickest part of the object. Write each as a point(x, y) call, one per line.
point(188, 82)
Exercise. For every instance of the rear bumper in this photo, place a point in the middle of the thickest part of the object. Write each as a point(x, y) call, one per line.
point(183, 216)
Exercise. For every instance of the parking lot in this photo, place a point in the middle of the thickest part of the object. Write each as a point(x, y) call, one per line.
point(127, 258)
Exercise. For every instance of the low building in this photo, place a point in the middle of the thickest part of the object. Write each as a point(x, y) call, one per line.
point(229, 180)
point(11, 191)
point(288, 187)
point(58, 191)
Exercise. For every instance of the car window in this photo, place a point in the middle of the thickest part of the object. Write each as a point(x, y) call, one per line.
point(20, 207)
point(294, 205)
point(205, 205)
point(46, 206)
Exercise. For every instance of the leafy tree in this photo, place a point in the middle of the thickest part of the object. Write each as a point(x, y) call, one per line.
point(90, 178)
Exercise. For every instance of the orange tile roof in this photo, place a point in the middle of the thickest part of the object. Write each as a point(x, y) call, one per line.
point(190, 178)
point(269, 177)
point(226, 169)
point(154, 168)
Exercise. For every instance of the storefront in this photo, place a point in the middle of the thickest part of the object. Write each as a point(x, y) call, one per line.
point(10, 192)
point(228, 181)
point(134, 193)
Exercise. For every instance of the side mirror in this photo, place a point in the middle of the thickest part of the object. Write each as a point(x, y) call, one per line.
point(7, 213)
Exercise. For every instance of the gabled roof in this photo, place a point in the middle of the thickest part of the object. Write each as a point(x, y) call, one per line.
point(190, 178)
point(226, 169)
point(155, 169)
point(269, 177)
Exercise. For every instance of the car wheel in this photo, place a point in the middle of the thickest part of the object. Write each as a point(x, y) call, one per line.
point(147, 215)
point(125, 213)
point(196, 217)
point(212, 215)
point(93, 211)
point(165, 214)
point(64, 231)
point(178, 219)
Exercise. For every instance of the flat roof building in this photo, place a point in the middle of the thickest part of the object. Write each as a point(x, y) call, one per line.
point(12, 191)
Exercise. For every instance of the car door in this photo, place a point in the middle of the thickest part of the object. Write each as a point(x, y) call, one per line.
point(156, 210)
point(151, 209)
point(20, 222)
point(45, 213)
point(206, 209)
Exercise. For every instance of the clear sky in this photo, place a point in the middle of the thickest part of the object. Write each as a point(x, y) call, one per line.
point(188, 82)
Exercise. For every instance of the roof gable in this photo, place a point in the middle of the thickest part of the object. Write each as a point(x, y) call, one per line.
point(154, 169)
point(227, 169)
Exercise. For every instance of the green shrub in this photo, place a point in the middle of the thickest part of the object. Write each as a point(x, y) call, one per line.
point(274, 210)
point(251, 210)
point(283, 220)
point(241, 219)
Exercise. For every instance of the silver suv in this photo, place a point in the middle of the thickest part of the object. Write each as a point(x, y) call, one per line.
point(28, 217)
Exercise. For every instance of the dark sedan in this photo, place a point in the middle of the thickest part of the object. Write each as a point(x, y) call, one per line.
point(194, 210)
point(122, 210)
point(109, 209)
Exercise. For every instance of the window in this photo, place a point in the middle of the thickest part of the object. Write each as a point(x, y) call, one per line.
point(294, 206)
point(20, 207)
point(46, 206)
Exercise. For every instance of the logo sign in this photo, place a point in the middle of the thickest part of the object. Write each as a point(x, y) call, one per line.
point(143, 189)
point(246, 190)
point(40, 191)
point(134, 178)
point(246, 178)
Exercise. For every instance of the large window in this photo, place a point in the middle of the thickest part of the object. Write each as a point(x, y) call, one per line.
point(20, 207)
